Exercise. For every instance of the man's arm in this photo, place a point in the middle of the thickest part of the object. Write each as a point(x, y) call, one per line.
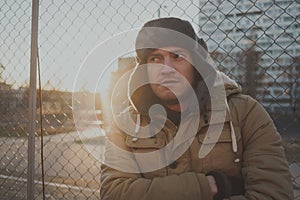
point(120, 185)
point(264, 166)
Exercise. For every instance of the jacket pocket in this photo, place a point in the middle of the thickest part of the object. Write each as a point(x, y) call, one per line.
point(145, 143)
point(224, 137)
point(148, 153)
point(222, 157)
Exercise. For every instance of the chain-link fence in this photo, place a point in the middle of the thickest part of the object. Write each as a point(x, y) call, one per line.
point(254, 42)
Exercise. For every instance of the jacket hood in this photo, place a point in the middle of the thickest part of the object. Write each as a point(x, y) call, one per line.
point(221, 88)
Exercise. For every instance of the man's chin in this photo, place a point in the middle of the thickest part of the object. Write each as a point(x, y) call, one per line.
point(168, 97)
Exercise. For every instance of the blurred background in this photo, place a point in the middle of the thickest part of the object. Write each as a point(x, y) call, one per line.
point(256, 43)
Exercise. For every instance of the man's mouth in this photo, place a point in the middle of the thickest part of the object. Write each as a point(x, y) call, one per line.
point(169, 82)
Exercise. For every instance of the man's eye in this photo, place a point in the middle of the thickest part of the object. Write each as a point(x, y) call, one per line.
point(179, 56)
point(153, 59)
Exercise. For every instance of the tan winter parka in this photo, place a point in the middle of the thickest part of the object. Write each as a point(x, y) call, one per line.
point(249, 147)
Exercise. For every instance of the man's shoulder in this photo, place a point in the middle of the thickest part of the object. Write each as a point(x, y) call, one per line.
point(244, 107)
point(242, 104)
point(241, 99)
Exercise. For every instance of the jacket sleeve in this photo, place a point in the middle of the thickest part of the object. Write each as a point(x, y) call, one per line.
point(119, 185)
point(264, 167)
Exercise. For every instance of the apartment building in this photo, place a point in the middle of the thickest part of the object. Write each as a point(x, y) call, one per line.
point(270, 29)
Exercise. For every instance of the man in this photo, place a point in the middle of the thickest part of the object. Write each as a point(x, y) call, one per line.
point(164, 158)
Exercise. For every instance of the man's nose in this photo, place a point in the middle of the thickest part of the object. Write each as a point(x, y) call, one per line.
point(167, 61)
point(167, 67)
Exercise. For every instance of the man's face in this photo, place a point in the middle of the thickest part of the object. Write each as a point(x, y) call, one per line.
point(171, 68)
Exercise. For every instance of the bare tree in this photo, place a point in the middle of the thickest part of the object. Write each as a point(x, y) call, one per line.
point(295, 86)
point(2, 68)
point(253, 73)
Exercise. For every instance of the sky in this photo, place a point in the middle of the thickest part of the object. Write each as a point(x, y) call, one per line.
point(69, 31)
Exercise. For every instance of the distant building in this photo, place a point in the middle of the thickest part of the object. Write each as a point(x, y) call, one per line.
point(271, 29)
point(10, 98)
point(56, 102)
point(120, 92)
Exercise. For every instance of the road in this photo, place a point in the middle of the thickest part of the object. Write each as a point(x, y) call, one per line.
point(72, 168)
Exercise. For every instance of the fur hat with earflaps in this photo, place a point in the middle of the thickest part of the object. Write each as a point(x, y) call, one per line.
point(162, 32)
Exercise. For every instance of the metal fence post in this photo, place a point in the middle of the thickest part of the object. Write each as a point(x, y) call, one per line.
point(32, 100)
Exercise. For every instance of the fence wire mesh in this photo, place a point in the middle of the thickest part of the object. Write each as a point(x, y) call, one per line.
point(254, 42)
